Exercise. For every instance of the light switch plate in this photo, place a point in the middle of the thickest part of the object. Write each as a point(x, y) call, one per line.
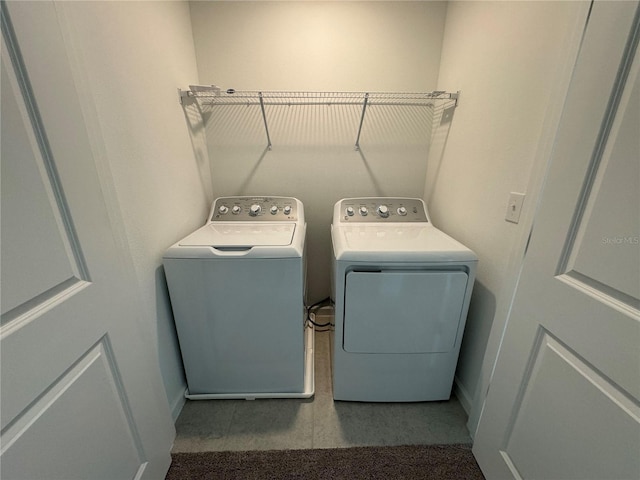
point(514, 207)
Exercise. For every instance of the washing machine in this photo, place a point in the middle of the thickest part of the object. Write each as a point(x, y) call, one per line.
point(401, 289)
point(237, 288)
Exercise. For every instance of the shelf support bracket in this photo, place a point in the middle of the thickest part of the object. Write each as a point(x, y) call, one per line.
point(264, 118)
point(185, 97)
point(456, 96)
point(364, 109)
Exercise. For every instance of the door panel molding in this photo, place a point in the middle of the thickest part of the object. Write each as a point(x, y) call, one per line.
point(35, 121)
point(602, 246)
point(30, 310)
point(604, 293)
point(32, 284)
point(94, 376)
point(537, 419)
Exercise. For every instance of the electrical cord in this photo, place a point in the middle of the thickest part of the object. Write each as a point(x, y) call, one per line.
point(325, 302)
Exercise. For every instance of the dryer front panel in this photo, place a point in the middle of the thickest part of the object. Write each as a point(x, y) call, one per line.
point(403, 311)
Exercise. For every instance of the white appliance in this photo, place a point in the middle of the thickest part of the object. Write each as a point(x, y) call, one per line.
point(401, 289)
point(237, 288)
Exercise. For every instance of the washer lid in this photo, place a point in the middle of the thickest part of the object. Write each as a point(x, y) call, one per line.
point(241, 234)
point(407, 242)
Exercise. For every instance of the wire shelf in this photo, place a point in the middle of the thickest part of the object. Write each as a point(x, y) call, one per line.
point(211, 96)
point(216, 96)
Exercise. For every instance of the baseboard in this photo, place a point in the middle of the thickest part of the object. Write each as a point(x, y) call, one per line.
point(466, 401)
point(463, 395)
point(177, 404)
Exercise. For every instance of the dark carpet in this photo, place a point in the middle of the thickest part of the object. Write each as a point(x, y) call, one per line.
point(428, 462)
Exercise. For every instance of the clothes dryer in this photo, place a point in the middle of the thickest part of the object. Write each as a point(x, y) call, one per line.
point(237, 288)
point(401, 289)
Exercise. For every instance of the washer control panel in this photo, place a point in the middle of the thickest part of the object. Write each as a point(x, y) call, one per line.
point(383, 209)
point(254, 209)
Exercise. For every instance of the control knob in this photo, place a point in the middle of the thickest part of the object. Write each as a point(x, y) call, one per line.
point(255, 209)
point(350, 211)
point(287, 209)
point(364, 211)
point(383, 211)
point(402, 211)
point(274, 209)
point(223, 209)
point(236, 209)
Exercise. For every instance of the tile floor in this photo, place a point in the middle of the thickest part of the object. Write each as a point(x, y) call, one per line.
point(318, 422)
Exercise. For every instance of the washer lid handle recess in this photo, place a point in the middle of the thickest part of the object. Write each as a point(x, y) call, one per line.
point(232, 251)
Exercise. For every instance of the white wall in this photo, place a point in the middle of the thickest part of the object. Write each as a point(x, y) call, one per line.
point(130, 58)
point(319, 46)
point(511, 61)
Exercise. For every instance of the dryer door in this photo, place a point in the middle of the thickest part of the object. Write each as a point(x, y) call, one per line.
point(403, 311)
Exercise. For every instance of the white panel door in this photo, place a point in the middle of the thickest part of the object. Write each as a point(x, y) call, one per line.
point(81, 391)
point(563, 401)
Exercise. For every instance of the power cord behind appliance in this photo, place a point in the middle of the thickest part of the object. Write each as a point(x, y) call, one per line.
point(311, 314)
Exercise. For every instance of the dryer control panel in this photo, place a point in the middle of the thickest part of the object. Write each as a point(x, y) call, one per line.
point(381, 209)
point(255, 209)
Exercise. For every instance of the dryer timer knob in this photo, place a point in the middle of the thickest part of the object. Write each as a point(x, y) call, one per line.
point(383, 211)
point(255, 209)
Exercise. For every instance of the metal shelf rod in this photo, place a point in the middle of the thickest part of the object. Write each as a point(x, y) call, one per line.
point(364, 109)
point(264, 117)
